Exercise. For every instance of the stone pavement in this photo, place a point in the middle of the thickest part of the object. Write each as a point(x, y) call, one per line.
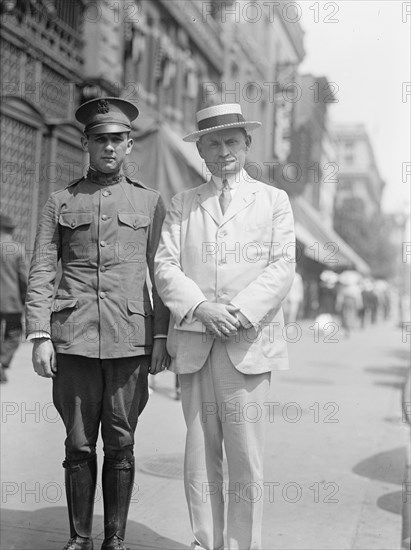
point(334, 459)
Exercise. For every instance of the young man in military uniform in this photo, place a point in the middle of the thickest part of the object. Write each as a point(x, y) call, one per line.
point(96, 333)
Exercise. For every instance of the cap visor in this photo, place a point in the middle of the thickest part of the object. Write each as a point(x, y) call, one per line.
point(107, 128)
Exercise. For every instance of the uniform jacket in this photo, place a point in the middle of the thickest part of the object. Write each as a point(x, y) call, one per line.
point(245, 257)
point(105, 237)
point(13, 277)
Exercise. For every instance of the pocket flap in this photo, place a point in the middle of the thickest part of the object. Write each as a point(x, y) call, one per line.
point(75, 219)
point(59, 304)
point(133, 219)
point(142, 308)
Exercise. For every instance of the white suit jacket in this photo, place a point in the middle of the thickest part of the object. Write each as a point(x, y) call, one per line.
point(246, 258)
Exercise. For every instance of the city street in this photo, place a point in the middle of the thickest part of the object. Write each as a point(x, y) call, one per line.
point(334, 460)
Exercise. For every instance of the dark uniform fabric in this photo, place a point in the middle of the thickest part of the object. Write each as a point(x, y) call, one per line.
point(111, 391)
point(88, 291)
point(106, 237)
point(97, 307)
point(13, 285)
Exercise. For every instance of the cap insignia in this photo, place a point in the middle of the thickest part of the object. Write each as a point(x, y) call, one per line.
point(103, 106)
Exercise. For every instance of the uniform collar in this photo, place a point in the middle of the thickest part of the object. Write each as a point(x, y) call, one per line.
point(104, 179)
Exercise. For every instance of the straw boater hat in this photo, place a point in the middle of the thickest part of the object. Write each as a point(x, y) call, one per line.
point(220, 117)
point(106, 115)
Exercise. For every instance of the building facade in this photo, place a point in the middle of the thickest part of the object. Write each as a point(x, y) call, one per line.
point(41, 68)
point(170, 58)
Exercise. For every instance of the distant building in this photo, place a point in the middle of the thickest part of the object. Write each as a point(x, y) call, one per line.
point(357, 207)
point(359, 182)
point(313, 147)
point(263, 48)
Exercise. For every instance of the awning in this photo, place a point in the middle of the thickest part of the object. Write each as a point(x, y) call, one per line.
point(162, 160)
point(321, 243)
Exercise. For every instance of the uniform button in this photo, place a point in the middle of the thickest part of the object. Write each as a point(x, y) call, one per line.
point(103, 243)
point(106, 193)
point(103, 294)
point(221, 262)
point(104, 217)
point(103, 268)
point(223, 233)
point(73, 224)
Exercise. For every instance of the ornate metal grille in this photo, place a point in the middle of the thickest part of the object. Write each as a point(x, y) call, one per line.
point(55, 94)
point(69, 164)
point(18, 149)
point(10, 57)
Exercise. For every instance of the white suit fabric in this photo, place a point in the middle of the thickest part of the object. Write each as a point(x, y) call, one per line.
point(244, 257)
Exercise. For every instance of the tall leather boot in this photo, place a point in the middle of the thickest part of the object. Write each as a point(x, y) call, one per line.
point(118, 479)
point(80, 491)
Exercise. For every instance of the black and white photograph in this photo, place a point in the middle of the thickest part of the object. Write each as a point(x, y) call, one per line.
point(205, 316)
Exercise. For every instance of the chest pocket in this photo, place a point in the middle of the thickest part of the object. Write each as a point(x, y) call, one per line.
point(133, 220)
point(132, 236)
point(73, 220)
point(75, 233)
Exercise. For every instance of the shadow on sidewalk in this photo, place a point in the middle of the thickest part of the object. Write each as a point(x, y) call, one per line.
point(387, 466)
point(47, 529)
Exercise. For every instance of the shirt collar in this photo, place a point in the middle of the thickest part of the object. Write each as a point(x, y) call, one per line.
point(234, 180)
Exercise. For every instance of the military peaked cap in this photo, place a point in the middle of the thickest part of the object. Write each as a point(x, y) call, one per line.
point(106, 115)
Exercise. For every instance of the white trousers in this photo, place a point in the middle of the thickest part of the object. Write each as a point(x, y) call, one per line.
point(223, 404)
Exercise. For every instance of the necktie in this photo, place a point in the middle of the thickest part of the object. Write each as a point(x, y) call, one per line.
point(225, 197)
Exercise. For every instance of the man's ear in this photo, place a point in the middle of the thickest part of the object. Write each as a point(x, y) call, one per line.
point(248, 141)
point(130, 144)
point(84, 142)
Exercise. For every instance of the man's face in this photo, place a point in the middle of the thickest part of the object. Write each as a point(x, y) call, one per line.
point(107, 151)
point(224, 151)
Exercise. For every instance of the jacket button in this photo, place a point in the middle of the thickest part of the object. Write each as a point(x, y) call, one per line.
point(103, 268)
point(104, 217)
point(73, 224)
point(103, 294)
point(103, 243)
point(106, 193)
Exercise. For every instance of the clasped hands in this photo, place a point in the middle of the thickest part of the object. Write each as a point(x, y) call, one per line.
point(219, 319)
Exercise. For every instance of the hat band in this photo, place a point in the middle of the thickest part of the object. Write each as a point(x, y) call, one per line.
point(220, 120)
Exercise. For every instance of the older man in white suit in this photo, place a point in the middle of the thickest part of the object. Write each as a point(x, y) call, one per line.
point(224, 265)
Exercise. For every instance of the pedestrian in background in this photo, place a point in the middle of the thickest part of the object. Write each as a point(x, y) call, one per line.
point(328, 291)
point(349, 304)
point(221, 270)
point(13, 286)
point(97, 335)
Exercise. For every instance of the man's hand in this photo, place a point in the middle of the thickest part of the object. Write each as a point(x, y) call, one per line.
point(44, 357)
point(160, 360)
point(219, 319)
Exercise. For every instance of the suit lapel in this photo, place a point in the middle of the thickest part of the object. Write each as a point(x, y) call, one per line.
point(208, 200)
point(244, 196)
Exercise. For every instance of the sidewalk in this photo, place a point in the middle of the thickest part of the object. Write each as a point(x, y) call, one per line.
point(334, 458)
